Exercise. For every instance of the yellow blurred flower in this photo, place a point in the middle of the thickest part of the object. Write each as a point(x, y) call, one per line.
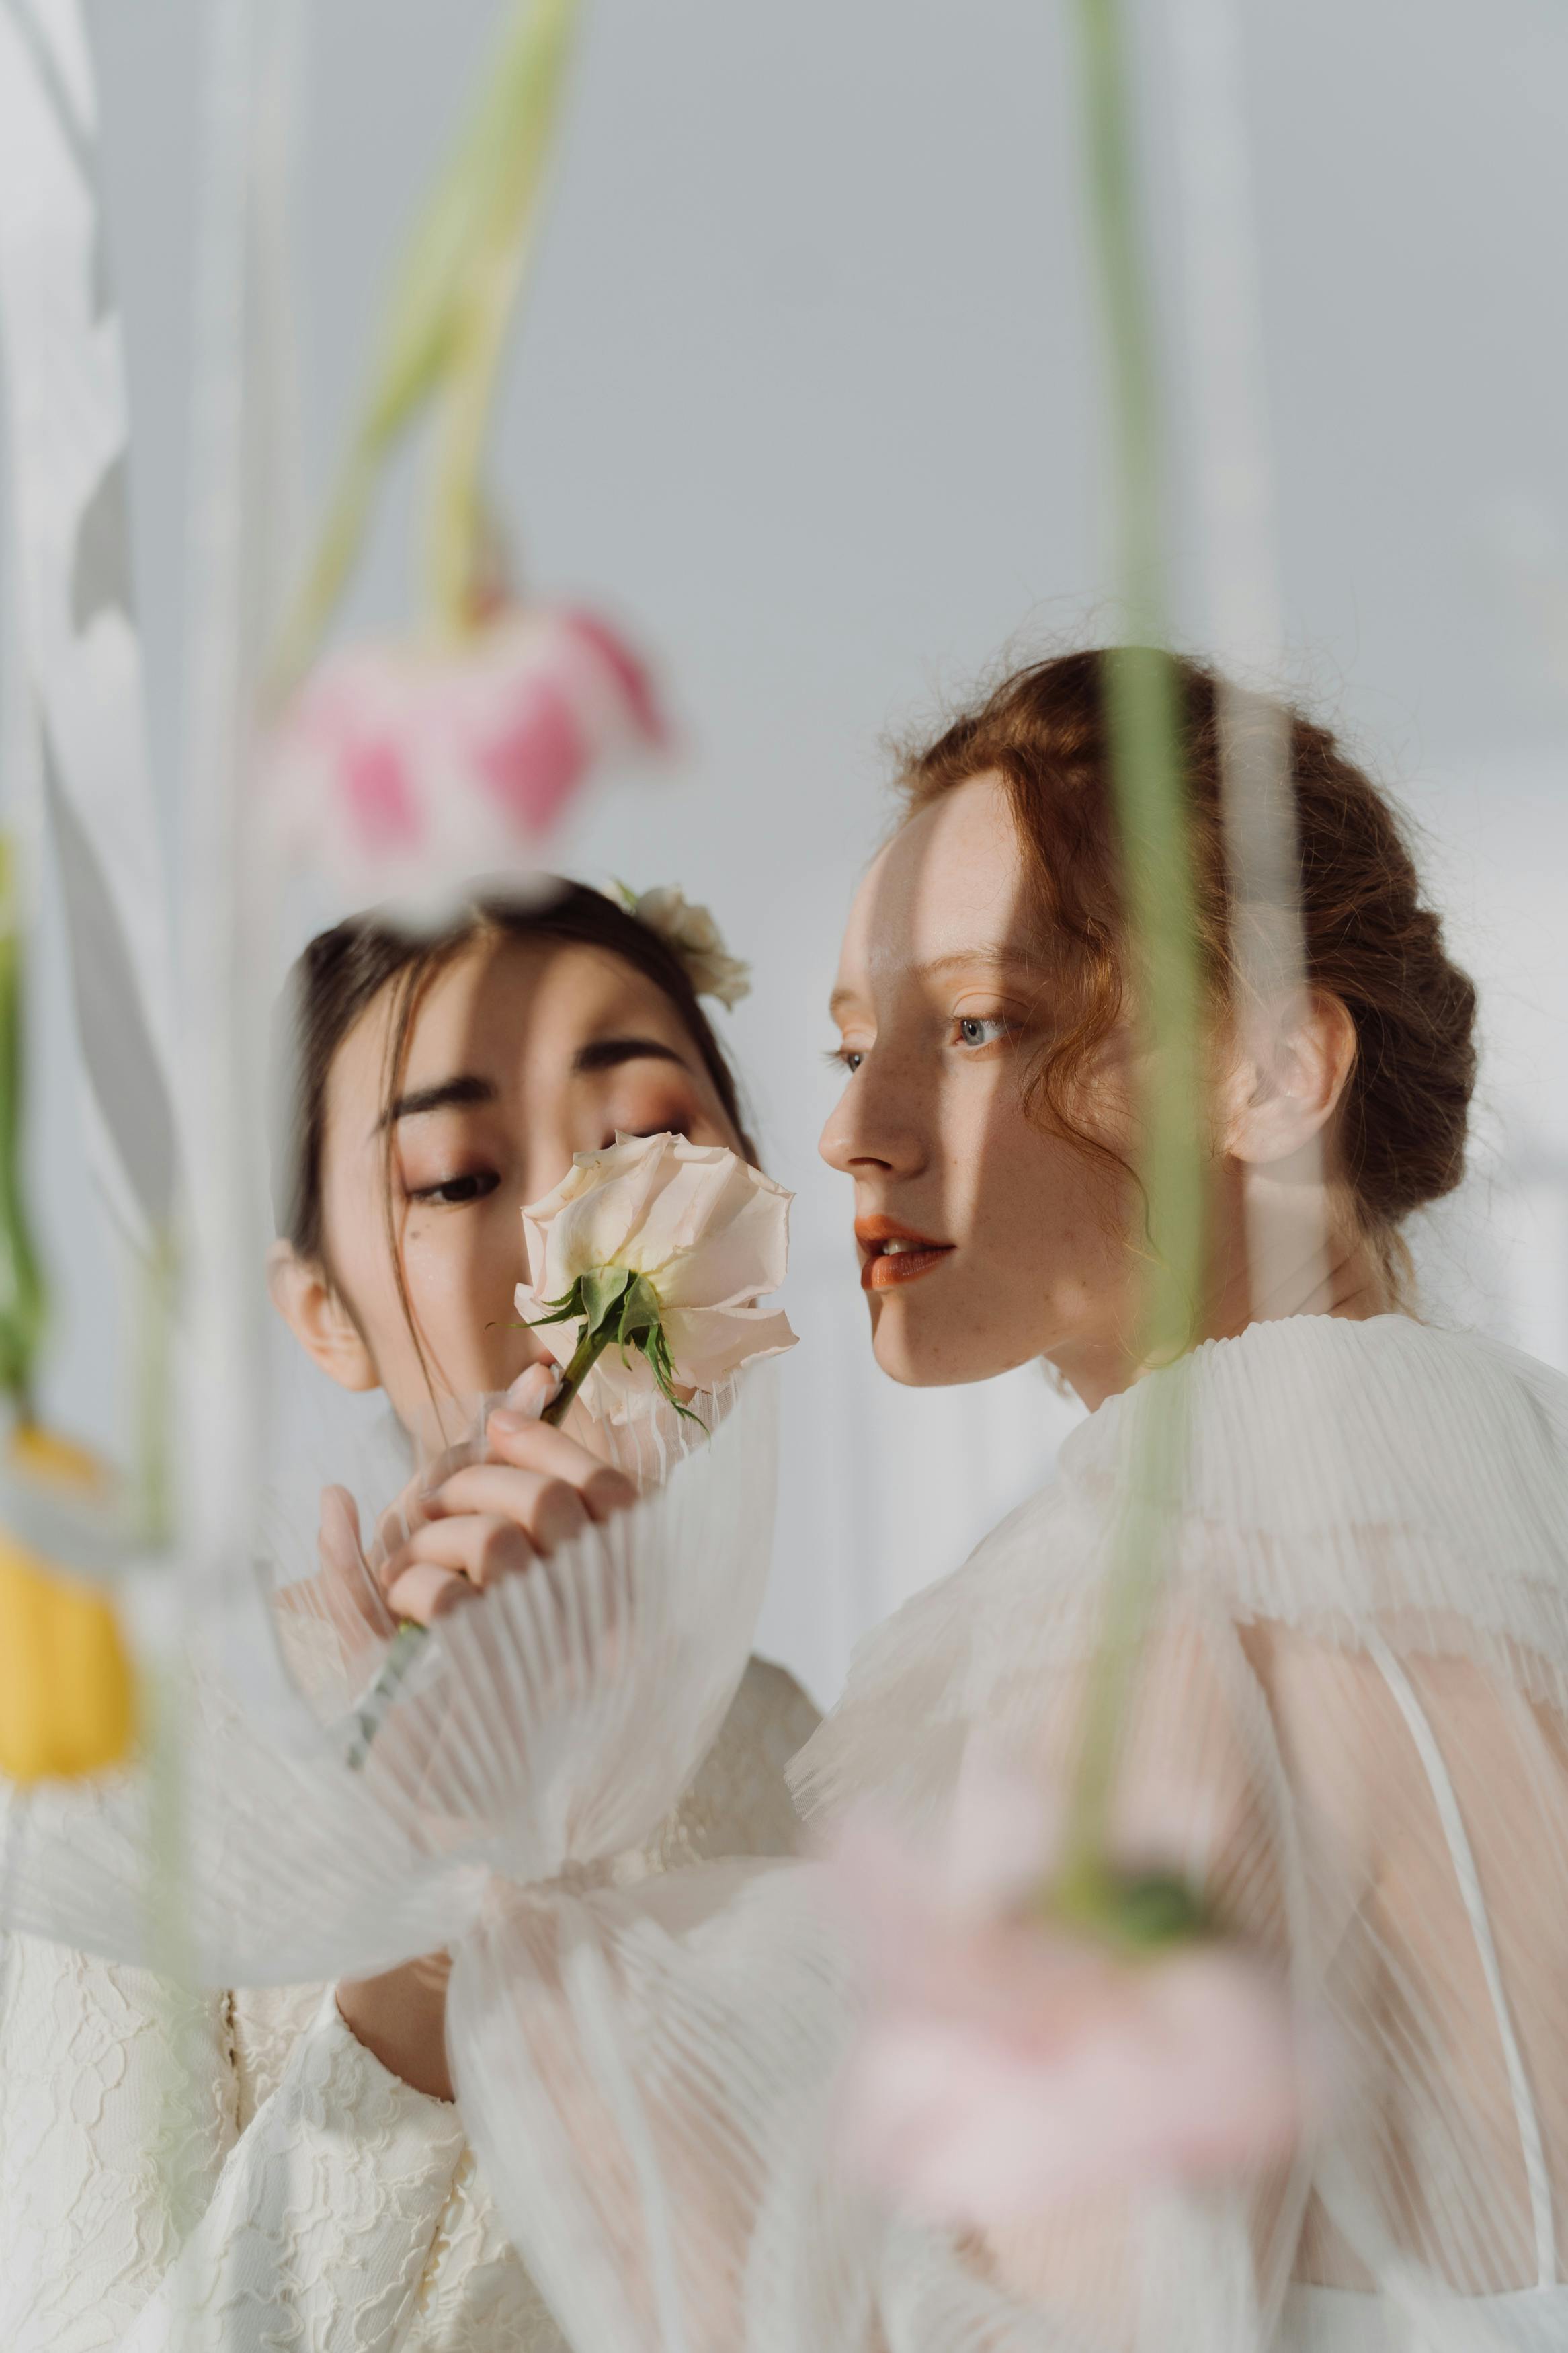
point(68, 1687)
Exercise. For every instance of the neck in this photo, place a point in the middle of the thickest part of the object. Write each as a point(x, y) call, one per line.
point(1275, 1254)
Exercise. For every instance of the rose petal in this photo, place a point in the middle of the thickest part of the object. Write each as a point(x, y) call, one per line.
point(709, 1344)
point(741, 1258)
point(537, 762)
point(379, 795)
point(681, 1213)
point(588, 1218)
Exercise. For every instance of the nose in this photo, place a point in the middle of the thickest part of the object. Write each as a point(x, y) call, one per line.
point(876, 1125)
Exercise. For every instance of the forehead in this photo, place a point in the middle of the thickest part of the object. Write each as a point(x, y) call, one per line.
point(951, 882)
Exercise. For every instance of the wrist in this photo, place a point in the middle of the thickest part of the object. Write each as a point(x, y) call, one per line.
point(400, 2018)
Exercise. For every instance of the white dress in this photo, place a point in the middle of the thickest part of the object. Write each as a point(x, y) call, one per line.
point(234, 2173)
point(1351, 1729)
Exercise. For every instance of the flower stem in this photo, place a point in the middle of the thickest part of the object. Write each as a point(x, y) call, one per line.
point(1149, 788)
point(584, 1356)
point(444, 337)
point(23, 1300)
point(509, 149)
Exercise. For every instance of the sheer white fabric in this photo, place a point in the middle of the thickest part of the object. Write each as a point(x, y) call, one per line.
point(551, 1723)
point(550, 1728)
point(1353, 1727)
point(237, 2167)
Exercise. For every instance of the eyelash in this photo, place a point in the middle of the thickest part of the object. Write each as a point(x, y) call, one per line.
point(997, 1021)
point(445, 1196)
point(848, 1059)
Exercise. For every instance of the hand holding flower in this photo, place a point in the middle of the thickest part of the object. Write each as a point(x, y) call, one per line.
point(648, 1262)
point(534, 1490)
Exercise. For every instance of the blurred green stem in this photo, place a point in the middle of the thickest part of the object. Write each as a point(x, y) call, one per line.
point(155, 1337)
point(1148, 785)
point(445, 334)
point(23, 1300)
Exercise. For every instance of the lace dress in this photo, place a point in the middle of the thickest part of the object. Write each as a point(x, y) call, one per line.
point(1351, 1729)
point(235, 2172)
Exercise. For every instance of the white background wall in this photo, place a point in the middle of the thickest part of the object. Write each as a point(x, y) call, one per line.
point(807, 395)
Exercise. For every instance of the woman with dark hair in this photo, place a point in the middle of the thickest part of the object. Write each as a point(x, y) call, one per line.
point(307, 2153)
point(1350, 1734)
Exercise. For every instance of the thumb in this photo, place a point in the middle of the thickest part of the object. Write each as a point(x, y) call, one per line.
point(350, 1595)
point(533, 1390)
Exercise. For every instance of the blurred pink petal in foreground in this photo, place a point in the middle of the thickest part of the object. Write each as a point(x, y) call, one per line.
point(1006, 2064)
point(401, 768)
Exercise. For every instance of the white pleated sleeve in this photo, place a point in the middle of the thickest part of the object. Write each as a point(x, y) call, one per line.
point(1351, 1730)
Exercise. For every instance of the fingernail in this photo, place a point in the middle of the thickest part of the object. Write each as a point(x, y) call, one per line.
point(510, 1422)
point(528, 1396)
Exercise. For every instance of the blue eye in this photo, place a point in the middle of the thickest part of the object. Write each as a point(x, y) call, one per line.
point(975, 1030)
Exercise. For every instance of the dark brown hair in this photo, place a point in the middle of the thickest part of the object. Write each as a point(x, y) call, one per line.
point(342, 972)
point(1369, 938)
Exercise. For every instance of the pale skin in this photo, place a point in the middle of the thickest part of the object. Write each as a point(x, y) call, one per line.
point(942, 1005)
point(520, 1054)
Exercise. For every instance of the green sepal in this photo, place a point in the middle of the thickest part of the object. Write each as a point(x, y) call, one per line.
point(1144, 1912)
point(617, 1308)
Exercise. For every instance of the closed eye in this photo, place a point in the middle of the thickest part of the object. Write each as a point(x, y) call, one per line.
point(453, 1192)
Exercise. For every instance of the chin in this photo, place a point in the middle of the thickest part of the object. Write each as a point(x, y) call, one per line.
point(922, 1362)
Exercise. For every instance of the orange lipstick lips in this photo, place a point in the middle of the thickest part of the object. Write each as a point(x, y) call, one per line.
point(893, 1253)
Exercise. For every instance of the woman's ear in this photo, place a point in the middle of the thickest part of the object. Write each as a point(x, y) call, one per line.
point(319, 1318)
point(1288, 1084)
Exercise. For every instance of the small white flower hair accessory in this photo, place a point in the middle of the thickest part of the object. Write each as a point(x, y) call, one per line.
point(696, 939)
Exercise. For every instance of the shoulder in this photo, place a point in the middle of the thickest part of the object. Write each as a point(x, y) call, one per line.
point(1333, 1475)
point(1379, 1466)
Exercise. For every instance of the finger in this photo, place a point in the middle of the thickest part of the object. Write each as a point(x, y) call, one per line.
point(425, 1593)
point(348, 1591)
point(479, 1547)
point(534, 1446)
point(532, 1391)
point(337, 1540)
point(406, 1511)
point(550, 1512)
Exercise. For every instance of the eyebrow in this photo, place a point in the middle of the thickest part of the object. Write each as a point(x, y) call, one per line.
point(446, 1094)
point(468, 1089)
point(983, 959)
point(609, 1053)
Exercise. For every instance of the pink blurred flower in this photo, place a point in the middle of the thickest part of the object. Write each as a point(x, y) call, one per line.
point(403, 769)
point(1005, 2063)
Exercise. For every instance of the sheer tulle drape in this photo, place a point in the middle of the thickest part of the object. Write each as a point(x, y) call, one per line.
point(550, 1723)
point(1352, 1727)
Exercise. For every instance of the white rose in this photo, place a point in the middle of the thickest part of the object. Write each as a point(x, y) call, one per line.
point(707, 1231)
